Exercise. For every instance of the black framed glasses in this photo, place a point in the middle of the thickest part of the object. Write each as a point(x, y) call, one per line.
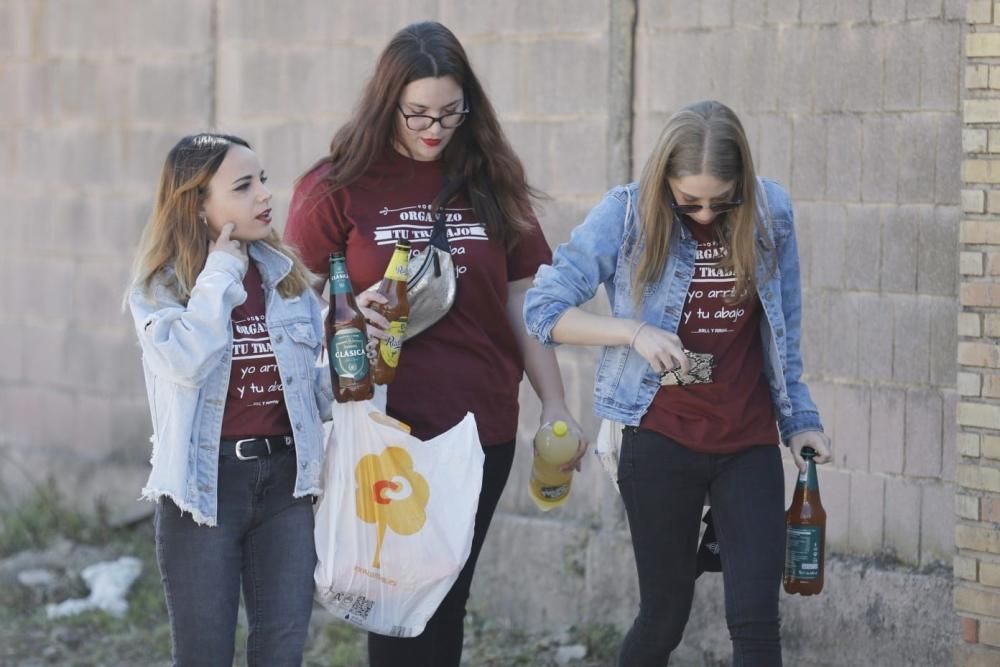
point(719, 207)
point(419, 122)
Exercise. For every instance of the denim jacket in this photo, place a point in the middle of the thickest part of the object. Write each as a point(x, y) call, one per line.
point(187, 356)
point(625, 383)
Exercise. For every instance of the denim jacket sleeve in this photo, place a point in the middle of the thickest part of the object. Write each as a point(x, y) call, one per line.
point(184, 343)
point(804, 416)
point(579, 267)
point(322, 382)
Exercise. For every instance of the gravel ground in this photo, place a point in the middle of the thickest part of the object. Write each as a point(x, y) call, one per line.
point(39, 535)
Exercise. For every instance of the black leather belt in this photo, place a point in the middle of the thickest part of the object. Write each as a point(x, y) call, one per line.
point(248, 449)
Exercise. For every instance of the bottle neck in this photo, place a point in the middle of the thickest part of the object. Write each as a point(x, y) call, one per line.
point(807, 485)
point(340, 283)
point(812, 481)
point(397, 265)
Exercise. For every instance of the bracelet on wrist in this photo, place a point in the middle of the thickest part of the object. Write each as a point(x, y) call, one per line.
point(635, 334)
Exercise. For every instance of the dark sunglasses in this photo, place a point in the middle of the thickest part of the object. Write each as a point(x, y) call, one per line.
point(719, 207)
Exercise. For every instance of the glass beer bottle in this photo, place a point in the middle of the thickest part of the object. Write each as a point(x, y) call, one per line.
point(805, 533)
point(396, 309)
point(346, 338)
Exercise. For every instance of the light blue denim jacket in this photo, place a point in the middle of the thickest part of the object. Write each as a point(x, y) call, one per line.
point(187, 356)
point(600, 252)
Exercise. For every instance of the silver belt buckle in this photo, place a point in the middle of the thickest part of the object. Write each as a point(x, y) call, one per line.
point(239, 453)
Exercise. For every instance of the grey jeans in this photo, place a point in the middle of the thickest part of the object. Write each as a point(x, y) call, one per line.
point(264, 543)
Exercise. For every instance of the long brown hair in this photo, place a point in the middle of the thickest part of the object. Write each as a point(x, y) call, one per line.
point(176, 237)
point(702, 138)
point(478, 153)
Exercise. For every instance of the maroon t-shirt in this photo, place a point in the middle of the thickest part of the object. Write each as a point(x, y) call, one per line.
point(470, 359)
point(255, 404)
point(734, 411)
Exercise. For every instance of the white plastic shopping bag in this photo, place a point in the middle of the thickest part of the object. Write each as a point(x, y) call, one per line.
point(394, 525)
point(608, 447)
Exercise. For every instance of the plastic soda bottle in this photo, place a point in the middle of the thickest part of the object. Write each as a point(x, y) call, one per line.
point(805, 533)
point(555, 446)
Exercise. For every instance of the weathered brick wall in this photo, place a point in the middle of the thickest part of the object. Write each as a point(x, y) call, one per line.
point(977, 500)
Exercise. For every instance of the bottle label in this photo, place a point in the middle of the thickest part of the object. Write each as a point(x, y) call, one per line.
point(390, 346)
point(802, 552)
point(397, 266)
point(350, 361)
point(554, 493)
point(339, 282)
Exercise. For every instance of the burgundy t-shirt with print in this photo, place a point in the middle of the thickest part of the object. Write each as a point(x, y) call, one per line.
point(255, 404)
point(469, 361)
point(734, 411)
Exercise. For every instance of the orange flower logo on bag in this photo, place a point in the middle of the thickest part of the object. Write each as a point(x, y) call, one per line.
point(390, 493)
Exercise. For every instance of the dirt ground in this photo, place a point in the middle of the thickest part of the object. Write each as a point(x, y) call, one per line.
point(41, 535)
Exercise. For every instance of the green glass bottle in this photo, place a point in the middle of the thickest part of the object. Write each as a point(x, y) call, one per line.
point(347, 338)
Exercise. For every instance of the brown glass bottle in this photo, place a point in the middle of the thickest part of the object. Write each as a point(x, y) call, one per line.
point(805, 533)
point(396, 309)
point(347, 340)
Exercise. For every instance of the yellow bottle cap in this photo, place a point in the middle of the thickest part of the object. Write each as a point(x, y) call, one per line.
point(560, 428)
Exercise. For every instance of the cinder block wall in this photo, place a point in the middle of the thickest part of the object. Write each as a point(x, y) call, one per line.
point(95, 93)
point(853, 105)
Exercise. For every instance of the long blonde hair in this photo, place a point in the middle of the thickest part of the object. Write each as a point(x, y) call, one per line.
point(176, 238)
point(702, 138)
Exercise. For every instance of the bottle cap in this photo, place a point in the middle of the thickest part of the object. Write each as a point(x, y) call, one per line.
point(808, 453)
point(560, 428)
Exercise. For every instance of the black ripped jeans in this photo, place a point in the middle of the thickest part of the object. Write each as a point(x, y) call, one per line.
point(663, 486)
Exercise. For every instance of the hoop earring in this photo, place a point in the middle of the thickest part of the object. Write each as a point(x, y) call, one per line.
point(203, 219)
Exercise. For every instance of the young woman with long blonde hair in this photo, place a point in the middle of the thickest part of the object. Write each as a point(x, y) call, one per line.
point(701, 364)
point(230, 332)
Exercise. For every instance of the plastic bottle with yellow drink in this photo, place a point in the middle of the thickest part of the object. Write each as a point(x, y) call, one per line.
point(555, 446)
point(396, 309)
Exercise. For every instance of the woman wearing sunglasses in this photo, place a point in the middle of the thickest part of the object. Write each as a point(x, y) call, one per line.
point(424, 121)
point(701, 363)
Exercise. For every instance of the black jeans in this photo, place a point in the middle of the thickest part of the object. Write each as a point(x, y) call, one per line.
point(440, 644)
point(663, 486)
point(264, 541)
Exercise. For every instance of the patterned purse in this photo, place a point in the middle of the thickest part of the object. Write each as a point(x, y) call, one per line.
point(700, 365)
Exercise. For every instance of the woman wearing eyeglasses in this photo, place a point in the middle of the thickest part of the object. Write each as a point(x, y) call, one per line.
point(700, 360)
point(424, 120)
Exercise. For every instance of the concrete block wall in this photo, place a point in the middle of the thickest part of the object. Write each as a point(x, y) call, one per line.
point(289, 75)
point(853, 105)
point(977, 474)
point(95, 94)
point(854, 108)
